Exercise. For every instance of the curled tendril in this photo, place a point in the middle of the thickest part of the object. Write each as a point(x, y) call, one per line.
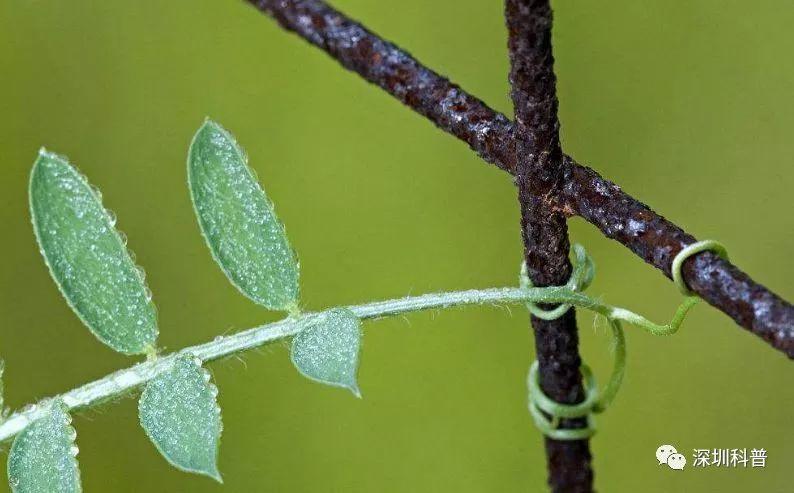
point(598, 401)
point(688, 251)
point(581, 277)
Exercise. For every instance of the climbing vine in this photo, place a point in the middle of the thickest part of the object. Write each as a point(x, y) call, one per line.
point(178, 407)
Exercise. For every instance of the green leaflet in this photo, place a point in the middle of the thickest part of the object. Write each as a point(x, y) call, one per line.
point(179, 412)
point(88, 258)
point(239, 222)
point(42, 458)
point(327, 351)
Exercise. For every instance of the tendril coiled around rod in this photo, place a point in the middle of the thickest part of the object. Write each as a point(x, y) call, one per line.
point(597, 401)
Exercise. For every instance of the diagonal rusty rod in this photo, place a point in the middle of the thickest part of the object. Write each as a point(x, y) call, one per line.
point(584, 193)
point(539, 177)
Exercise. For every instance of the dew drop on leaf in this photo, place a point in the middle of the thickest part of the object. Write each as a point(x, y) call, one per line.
point(179, 412)
point(42, 458)
point(98, 193)
point(87, 257)
point(238, 221)
point(327, 351)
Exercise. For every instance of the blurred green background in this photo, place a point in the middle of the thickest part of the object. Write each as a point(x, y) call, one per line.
point(687, 105)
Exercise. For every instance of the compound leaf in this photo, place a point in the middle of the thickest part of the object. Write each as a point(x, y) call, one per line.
point(327, 351)
point(239, 222)
point(43, 456)
point(179, 412)
point(88, 258)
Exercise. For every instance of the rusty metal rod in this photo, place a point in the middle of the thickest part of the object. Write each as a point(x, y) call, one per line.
point(584, 192)
point(539, 177)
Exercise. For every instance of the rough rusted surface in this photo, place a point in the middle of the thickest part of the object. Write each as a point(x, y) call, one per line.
point(539, 175)
point(539, 172)
point(657, 241)
point(490, 134)
point(556, 348)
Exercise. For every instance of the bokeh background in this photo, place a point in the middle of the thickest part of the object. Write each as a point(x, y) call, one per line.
point(687, 105)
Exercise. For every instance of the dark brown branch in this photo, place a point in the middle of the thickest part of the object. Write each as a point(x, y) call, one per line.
point(618, 215)
point(539, 176)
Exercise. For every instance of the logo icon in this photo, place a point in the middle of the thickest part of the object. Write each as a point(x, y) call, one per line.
point(667, 454)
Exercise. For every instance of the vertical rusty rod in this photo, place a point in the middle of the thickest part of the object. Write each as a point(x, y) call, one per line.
point(540, 177)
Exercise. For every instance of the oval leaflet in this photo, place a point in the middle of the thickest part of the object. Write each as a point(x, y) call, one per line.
point(88, 258)
point(42, 458)
point(239, 222)
point(179, 412)
point(327, 351)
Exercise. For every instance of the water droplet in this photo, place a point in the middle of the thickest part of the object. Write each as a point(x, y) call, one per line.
point(74, 450)
point(148, 294)
point(123, 238)
point(97, 192)
point(111, 216)
point(141, 272)
point(29, 408)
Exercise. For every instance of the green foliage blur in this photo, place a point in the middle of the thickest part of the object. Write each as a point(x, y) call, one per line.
point(687, 105)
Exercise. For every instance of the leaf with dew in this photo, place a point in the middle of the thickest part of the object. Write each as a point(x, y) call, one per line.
point(239, 222)
point(327, 351)
point(179, 412)
point(88, 258)
point(43, 456)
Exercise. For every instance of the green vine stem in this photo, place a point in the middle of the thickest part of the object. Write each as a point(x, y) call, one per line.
point(126, 380)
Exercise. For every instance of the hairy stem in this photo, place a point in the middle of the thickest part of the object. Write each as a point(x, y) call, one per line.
point(123, 381)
